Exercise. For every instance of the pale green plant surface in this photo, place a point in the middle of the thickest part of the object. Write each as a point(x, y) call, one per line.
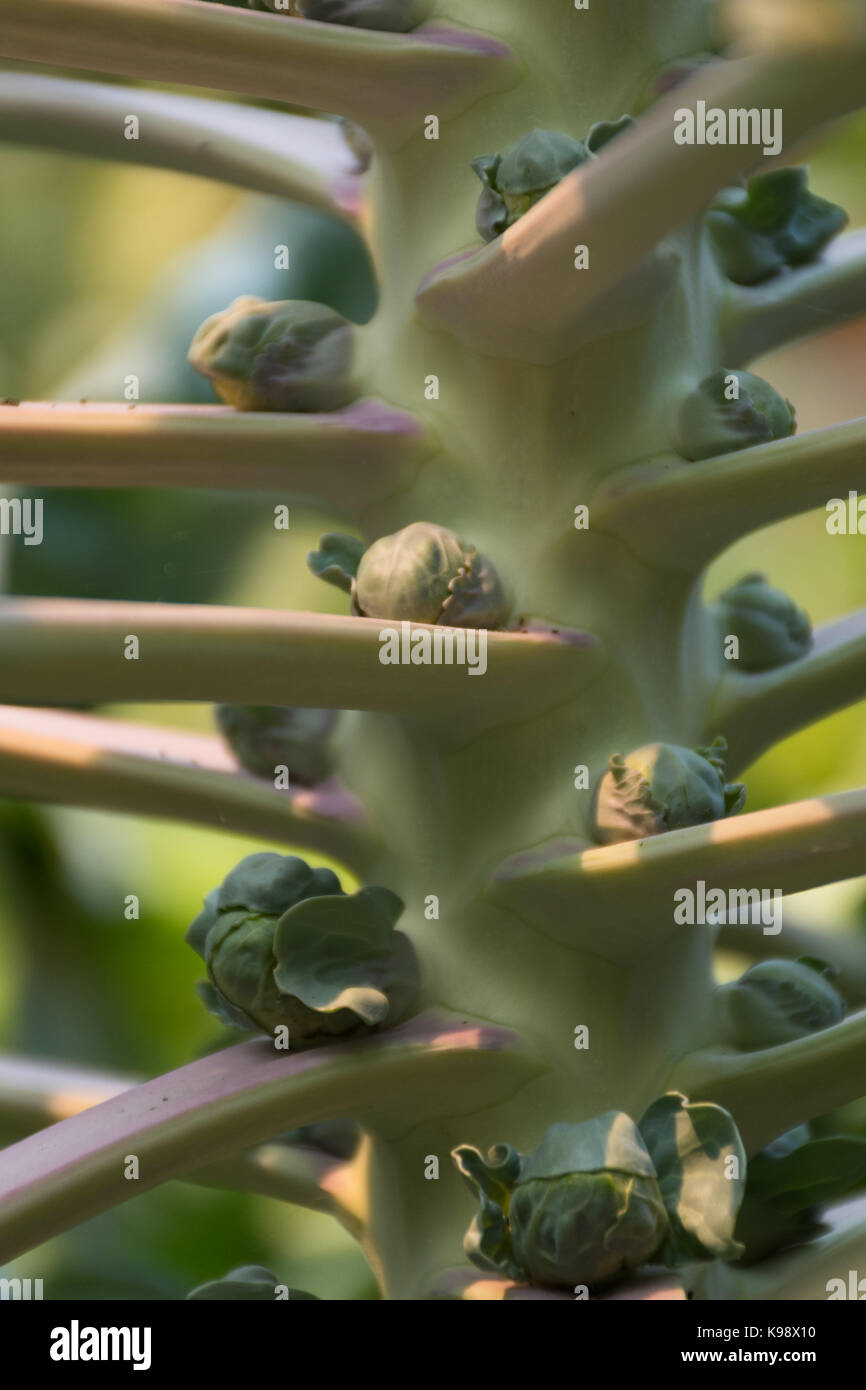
point(559, 387)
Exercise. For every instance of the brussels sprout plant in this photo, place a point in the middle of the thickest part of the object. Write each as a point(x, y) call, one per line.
point(534, 449)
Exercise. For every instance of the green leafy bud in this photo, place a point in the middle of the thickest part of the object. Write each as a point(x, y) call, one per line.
point(292, 355)
point(732, 410)
point(770, 627)
point(584, 1208)
point(664, 787)
point(515, 181)
point(777, 1001)
point(427, 574)
point(772, 224)
point(284, 946)
point(597, 1200)
point(337, 559)
point(248, 1283)
point(264, 737)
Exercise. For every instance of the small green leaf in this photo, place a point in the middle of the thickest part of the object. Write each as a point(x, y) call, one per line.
point(337, 559)
point(692, 1146)
point(773, 224)
point(819, 1170)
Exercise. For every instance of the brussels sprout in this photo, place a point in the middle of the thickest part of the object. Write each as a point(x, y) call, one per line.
point(777, 1001)
point(772, 224)
point(732, 410)
point(664, 787)
point(248, 1283)
point(283, 945)
point(515, 181)
point(584, 1208)
point(264, 737)
point(427, 574)
point(597, 1200)
point(398, 16)
point(771, 629)
point(291, 355)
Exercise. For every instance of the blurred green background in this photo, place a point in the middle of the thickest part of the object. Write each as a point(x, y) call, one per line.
point(109, 270)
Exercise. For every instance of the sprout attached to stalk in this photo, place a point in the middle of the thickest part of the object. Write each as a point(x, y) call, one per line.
point(265, 737)
point(596, 1201)
point(770, 629)
point(771, 225)
point(247, 1284)
point(662, 787)
point(730, 411)
point(423, 574)
point(778, 1001)
point(284, 946)
point(290, 355)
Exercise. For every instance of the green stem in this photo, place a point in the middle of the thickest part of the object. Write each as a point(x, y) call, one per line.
point(35, 1094)
point(368, 75)
point(355, 458)
point(681, 515)
point(773, 1090)
point(79, 760)
point(759, 318)
point(225, 1102)
point(263, 656)
point(756, 712)
point(565, 891)
point(294, 157)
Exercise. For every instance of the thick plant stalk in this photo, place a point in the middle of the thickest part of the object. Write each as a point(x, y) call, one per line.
point(76, 760)
point(554, 388)
point(354, 458)
point(353, 72)
point(263, 656)
point(779, 1087)
point(292, 157)
point(227, 1101)
point(36, 1094)
point(782, 479)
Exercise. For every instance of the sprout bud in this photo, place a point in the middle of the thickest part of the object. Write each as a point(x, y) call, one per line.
point(284, 946)
point(772, 224)
point(664, 787)
point(515, 181)
point(427, 574)
point(248, 1283)
point(597, 1200)
point(732, 410)
point(769, 626)
point(292, 355)
point(777, 1001)
point(264, 737)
